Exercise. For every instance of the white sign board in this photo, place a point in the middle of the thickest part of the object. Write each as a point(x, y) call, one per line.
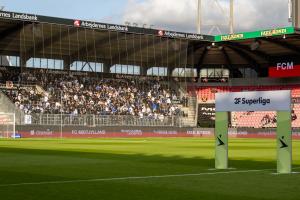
point(254, 101)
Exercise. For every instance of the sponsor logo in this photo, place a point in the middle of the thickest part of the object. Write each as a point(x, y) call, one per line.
point(18, 16)
point(174, 34)
point(180, 35)
point(285, 66)
point(93, 25)
point(88, 132)
point(161, 33)
point(274, 32)
point(283, 143)
point(77, 23)
point(206, 114)
point(242, 133)
point(132, 132)
point(47, 132)
point(245, 101)
point(117, 28)
point(24, 17)
point(5, 15)
point(194, 37)
point(284, 69)
point(208, 111)
point(199, 133)
point(16, 136)
point(165, 132)
point(232, 37)
point(220, 142)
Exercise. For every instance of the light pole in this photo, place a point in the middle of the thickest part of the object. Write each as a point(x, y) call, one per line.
point(290, 8)
point(231, 20)
point(295, 12)
point(199, 16)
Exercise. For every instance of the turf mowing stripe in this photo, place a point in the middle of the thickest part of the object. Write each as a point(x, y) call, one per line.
point(134, 178)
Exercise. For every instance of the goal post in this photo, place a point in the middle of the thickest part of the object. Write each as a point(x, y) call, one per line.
point(279, 101)
point(7, 125)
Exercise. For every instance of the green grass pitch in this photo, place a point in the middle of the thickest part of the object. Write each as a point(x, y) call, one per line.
point(138, 169)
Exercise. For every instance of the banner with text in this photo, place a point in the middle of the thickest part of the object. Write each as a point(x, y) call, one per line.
point(286, 69)
point(254, 101)
point(102, 26)
point(255, 34)
point(206, 115)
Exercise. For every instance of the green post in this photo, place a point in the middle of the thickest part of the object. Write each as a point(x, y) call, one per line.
point(221, 136)
point(284, 142)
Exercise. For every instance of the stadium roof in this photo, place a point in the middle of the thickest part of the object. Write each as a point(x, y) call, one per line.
point(28, 36)
point(260, 48)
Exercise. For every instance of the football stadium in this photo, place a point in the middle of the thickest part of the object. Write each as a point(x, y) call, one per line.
point(92, 110)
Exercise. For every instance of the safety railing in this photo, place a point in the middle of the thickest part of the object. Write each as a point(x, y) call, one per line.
point(98, 121)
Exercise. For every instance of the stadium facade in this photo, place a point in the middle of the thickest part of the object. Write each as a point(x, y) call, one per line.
point(57, 74)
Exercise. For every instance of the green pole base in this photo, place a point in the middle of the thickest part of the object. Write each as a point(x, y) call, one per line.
point(284, 142)
point(221, 138)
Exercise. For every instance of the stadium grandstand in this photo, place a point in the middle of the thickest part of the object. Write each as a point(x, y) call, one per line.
point(59, 76)
point(91, 110)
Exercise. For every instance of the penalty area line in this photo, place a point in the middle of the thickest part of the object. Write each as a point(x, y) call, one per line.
point(132, 178)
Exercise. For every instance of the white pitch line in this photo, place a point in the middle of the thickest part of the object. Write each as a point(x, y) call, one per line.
point(132, 178)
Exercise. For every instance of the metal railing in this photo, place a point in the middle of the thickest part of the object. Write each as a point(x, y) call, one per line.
point(98, 121)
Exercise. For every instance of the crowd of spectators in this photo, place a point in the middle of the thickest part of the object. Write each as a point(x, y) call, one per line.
point(9, 75)
point(27, 99)
point(271, 120)
point(79, 95)
point(260, 119)
point(268, 121)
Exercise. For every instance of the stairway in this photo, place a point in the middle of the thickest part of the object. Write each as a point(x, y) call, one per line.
point(191, 111)
point(39, 89)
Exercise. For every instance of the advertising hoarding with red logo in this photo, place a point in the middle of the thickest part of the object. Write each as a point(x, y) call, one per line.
point(286, 69)
point(161, 33)
point(77, 23)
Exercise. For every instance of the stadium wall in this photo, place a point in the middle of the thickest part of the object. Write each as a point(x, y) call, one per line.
point(29, 131)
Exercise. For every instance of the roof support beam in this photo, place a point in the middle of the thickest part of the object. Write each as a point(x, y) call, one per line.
point(246, 48)
point(229, 63)
point(37, 48)
point(84, 52)
point(11, 31)
point(201, 59)
point(135, 48)
point(283, 44)
point(186, 53)
point(158, 59)
point(253, 63)
point(227, 58)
